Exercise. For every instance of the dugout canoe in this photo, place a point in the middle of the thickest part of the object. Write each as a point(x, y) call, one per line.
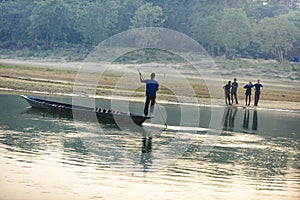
point(103, 115)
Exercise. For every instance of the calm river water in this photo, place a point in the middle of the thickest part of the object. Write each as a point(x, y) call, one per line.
point(255, 155)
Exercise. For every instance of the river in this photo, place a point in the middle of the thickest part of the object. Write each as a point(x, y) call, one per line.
point(253, 155)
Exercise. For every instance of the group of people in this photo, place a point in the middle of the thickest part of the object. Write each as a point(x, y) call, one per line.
point(231, 92)
point(230, 88)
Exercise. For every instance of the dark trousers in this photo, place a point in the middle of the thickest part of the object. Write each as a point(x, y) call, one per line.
point(150, 99)
point(256, 98)
point(227, 97)
point(233, 94)
point(248, 99)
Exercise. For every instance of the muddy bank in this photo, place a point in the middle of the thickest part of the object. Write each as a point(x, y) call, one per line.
point(34, 79)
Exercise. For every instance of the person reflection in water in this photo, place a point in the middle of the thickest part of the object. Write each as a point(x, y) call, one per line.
point(229, 117)
point(254, 122)
point(146, 157)
point(246, 120)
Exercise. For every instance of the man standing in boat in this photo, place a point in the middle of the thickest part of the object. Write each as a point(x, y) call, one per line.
point(151, 88)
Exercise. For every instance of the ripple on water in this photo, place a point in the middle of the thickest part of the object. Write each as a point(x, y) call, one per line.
point(114, 163)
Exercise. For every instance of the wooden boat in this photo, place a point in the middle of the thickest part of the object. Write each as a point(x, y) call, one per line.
point(103, 115)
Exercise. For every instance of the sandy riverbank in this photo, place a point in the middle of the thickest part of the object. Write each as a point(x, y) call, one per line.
point(23, 78)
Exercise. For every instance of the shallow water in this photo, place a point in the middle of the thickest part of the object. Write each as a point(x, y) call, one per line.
point(249, 154)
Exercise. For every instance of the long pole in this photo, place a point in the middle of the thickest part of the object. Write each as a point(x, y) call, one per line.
point(155, 102)
point(162, 115)
point(140, 73)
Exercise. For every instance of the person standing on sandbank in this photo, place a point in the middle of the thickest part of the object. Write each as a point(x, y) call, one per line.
point(151, 88)
point(248, 88)
point(257, 87)
point(227, 92)
point(235, 85)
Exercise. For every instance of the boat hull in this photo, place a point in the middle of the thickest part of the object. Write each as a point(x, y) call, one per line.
point(81, 112)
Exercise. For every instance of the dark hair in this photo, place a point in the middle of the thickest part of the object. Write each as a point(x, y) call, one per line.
point(152, 75)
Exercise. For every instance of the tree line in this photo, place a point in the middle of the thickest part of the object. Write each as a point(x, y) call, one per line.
point(232, 28)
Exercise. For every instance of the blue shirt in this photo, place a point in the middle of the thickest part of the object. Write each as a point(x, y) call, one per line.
point(248, 89)
point(257, 87)
point(151, 86)
point(234, 86)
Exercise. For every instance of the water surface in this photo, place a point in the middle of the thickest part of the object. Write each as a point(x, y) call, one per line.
point(47, 156)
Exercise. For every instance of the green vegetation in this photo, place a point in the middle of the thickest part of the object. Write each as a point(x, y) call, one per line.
point(69, 29)
point(149, 55)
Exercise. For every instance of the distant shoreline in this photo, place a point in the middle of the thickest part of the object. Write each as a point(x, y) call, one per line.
point(48, 80)
point(289, 107)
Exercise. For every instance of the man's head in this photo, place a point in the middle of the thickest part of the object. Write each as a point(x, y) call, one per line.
point(258, 81)
point(234, 80)
point(152, 75)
